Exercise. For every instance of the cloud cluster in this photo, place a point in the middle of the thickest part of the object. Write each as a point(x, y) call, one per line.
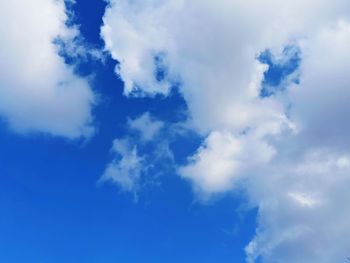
point(39, 92)
point(289, 151)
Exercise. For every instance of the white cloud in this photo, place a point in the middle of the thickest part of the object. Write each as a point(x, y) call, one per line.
point(146, 126)
point(320, 103)
point(302, 199)
point(202, 39)
point(223, 160)
point(289, 151)
point(303, 216)
point(127, 168)
point(38, 91)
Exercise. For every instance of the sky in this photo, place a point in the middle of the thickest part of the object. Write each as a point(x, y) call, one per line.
point(174, 131)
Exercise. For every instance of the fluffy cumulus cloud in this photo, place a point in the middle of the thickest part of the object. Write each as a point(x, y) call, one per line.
point(38, 90)
point(303, 213)
point(288, 150)
point(233, 157)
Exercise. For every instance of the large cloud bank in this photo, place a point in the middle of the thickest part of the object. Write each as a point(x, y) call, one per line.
point(289, 151)
point(39, 92)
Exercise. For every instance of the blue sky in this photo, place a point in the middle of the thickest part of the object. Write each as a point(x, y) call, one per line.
point(53, 209)
point(173, 131)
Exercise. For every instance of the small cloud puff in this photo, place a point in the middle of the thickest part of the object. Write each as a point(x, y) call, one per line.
point(136, 154)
